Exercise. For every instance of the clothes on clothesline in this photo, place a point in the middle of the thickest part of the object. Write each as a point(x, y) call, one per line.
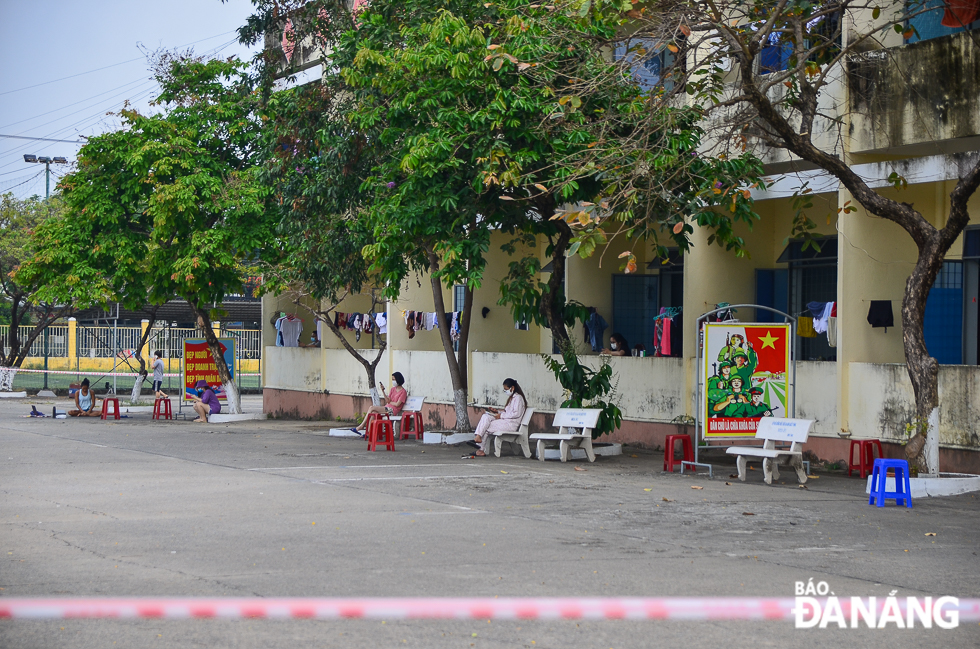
point(804, 327)
point(594, 328)
point(361, 322)
point(821, 312)
point(832, 331)
point(288, 330)
point(667, 332)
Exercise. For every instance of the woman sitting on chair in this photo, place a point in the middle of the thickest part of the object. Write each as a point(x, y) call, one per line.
point(507, 421)
point(393, 403)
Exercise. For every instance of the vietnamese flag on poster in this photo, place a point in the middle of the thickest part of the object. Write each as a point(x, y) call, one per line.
point(770, 344)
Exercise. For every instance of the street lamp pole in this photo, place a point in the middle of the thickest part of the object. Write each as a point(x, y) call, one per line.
point(47, 196)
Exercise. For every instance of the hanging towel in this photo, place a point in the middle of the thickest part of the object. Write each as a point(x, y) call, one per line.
point(665, 338)
point(820, 322)
point(381, 319)
point(832, 331)
point(880, 314)
point(804, 327)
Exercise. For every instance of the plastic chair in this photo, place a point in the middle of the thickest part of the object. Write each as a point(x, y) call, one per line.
point(381, 432)
point(866, 456)
point(879, 481)
point(105, 407)
point(162, 408)
point(687, 451)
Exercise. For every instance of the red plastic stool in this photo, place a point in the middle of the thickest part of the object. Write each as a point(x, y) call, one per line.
point(161, 408)
point(371, 418)
point(687, 451)
point(866, 456)
point(415, 429)
point(381, 432)
point(105, 407)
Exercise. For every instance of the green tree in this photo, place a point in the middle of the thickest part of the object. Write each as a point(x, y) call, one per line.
point(791, 110)
point(168, 205)
point(23, 298)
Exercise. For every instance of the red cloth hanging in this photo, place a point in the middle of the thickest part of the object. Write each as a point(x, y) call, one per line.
point(960, 13)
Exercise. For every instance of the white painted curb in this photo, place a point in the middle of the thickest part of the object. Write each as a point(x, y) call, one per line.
point(13, 395)
point(225, 419)
point(342, 432)
point(948, 484)
point(579, 453)
point(444, 438)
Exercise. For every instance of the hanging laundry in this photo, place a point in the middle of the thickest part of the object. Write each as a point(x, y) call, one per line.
point(319, 329)
point(381, 319)
point(290, 328)
point(454, 327)
point(368, 323)
point(430, 321)
point(340, 320)
point(832, 331)
point(595, 326)
point(410, 324)
point(804, 327)
point(665, 338)
point(820, 321)
point(880, 314)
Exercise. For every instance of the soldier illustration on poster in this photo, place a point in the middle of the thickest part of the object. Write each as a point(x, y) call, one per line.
point(748, 378)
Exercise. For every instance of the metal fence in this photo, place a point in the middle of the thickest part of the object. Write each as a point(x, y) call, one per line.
point(122, 342)
point(57, 340)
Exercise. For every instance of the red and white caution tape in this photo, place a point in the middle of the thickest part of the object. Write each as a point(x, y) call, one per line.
point(650, 608)
point(98, 372)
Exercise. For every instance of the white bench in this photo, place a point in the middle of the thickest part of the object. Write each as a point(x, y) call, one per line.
point(519, 437)
point(574, 431)
point(773, 430)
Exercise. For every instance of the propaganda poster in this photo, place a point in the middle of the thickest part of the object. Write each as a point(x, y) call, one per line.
point(747, 369)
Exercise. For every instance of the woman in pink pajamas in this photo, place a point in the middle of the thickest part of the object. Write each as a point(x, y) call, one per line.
point(500, 422)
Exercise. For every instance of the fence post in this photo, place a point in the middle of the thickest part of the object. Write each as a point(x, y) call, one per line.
point(145, 353)
point(72, 339)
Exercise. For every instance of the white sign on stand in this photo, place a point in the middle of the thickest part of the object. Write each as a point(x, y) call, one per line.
point(576, 417)
point(784, 430)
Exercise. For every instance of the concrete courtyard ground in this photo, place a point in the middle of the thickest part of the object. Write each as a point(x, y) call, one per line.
point(277, 508)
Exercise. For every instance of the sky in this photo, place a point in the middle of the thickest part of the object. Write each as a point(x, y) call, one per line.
point(65, 63)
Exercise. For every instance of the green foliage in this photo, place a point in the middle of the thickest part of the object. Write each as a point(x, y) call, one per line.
point(168, 205)
point(587, 388)
point(18, 221)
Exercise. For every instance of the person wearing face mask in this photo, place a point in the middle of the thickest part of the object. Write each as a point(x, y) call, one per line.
point(506, 421)
point(205, 403)
point(617, 346)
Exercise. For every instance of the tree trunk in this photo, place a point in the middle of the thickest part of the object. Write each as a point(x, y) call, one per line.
point(234, 400)
point(370, 367)
point(554, 303)
point(141, 374)
point(457, 360)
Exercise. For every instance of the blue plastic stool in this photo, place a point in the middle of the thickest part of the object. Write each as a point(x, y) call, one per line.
point(879, 475)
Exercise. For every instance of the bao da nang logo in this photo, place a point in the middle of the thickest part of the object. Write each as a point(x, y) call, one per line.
point(817, 606)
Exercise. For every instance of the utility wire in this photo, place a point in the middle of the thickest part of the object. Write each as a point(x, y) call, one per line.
point(44, 139)
point(139, 58)
point(140, 81)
